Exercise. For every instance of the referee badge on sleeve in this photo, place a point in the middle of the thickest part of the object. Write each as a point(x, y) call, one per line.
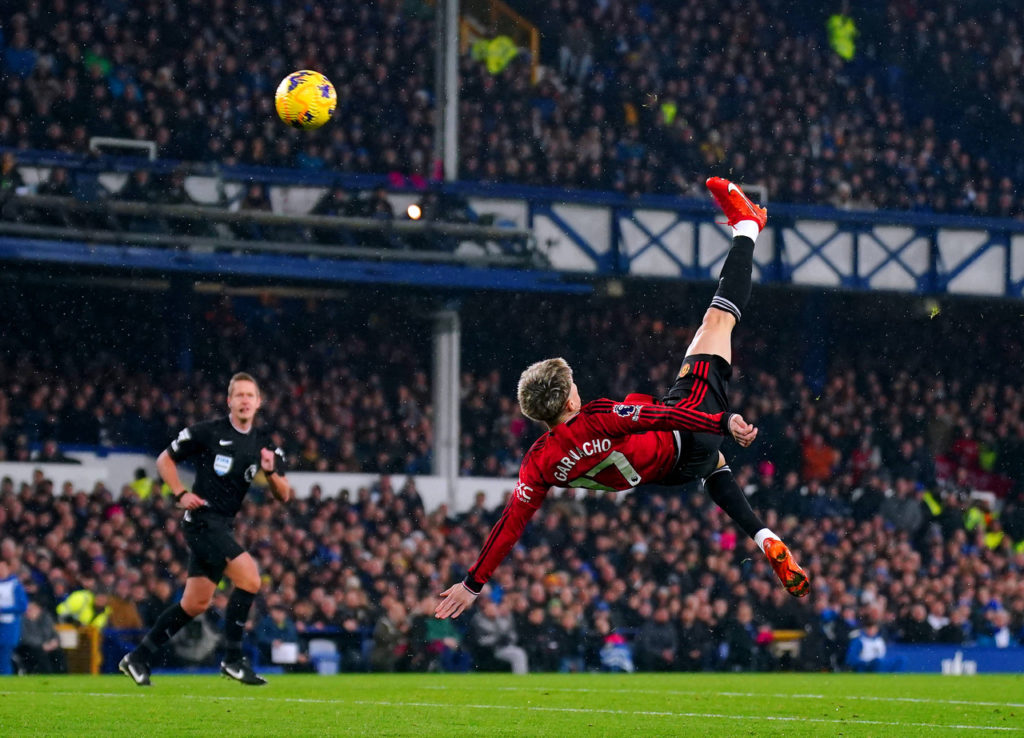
point(222, 464)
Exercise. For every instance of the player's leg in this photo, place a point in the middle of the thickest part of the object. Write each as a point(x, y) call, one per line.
point(722, 487)
point(196, 598)
point(245, 575)
point(726, 493)
point(714, 336)
point(207, 544)
point(747, 219)
point(194, 601)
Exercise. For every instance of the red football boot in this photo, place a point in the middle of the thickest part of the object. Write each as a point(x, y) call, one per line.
point(734, 203)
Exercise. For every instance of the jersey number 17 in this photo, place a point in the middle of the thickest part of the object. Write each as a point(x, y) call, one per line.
point(589, 480)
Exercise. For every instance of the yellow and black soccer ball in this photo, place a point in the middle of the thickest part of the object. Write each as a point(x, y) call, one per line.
point(305, 99)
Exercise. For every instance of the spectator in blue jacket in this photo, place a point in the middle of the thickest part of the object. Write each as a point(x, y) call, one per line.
point(275, 629)
point(13, 602)
point(868, 650)
point(998, 634)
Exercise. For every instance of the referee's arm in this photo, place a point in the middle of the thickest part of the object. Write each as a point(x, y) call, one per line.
point(168, 470)
point(277, 481)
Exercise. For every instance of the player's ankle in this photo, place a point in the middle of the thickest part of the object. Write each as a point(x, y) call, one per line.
point(145, 650)
point(748, 228)
point(763, 535)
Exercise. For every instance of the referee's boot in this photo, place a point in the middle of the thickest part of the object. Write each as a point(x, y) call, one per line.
point(135, 669)
point(240, 671)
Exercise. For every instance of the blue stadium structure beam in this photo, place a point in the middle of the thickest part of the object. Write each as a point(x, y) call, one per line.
point(810, 245)
point(280, 267)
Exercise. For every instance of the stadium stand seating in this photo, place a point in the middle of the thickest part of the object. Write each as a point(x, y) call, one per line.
point(638, 98)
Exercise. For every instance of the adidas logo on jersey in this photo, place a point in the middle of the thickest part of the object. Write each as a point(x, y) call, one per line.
point(522, 492)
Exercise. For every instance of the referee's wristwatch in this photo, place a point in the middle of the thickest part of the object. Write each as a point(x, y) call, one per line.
point(179, 495)
point(270, 473)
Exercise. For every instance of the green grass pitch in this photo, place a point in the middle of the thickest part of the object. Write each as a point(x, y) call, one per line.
point(504, 705)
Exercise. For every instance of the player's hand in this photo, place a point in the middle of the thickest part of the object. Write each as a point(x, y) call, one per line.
point(454, 601)
point(742, 431)
point(191, 501)
point(267, 459)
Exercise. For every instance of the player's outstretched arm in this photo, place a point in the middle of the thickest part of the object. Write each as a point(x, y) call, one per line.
point(503, 536)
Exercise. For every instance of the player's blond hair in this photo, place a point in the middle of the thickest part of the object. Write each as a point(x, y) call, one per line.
point(544, 389)
point(243, 377)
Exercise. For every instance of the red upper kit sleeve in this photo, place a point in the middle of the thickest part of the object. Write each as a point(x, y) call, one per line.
point(622, 418)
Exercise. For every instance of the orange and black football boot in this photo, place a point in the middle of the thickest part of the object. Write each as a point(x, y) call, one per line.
point(793, 578)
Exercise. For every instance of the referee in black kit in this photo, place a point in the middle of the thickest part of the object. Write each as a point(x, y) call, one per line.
point(227, 452)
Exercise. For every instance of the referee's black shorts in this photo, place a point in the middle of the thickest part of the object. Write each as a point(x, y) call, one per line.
point(702, 384)
point(211, 543)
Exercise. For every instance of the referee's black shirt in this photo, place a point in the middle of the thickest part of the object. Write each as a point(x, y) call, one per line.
point(225, 459)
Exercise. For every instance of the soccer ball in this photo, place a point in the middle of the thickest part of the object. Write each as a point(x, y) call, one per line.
point(305, 99)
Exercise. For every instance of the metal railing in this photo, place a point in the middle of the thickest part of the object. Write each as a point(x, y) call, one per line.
point(99, 143)
point(66, 218)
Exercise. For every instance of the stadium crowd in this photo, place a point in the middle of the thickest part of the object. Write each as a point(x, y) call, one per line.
point(344, 400)
point(660, 580)
point(929, 418)
point(865, 466)
point(635, 98)
point(355, 394)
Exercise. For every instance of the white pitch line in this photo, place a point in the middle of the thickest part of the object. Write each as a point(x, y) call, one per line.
point(686, 693)
point(711, 715)
point(873, 698)
point(531, 708)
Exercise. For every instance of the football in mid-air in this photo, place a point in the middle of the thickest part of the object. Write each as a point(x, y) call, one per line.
point(305, 99)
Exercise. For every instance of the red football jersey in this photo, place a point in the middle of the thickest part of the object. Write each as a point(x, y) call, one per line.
point(605, 446)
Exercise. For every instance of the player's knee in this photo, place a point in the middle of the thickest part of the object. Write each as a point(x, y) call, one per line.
point(195, 606)
point(250, 582)
point(715, 319)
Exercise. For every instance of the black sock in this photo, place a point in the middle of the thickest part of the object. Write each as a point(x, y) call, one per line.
point(170, 622)
point(733, 291)
point(234, 623)
point(723, 489)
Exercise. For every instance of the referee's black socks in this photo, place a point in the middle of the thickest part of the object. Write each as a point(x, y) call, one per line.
point(733, 291)
point(170, 622)
point(722, 487)
point(235, 618)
